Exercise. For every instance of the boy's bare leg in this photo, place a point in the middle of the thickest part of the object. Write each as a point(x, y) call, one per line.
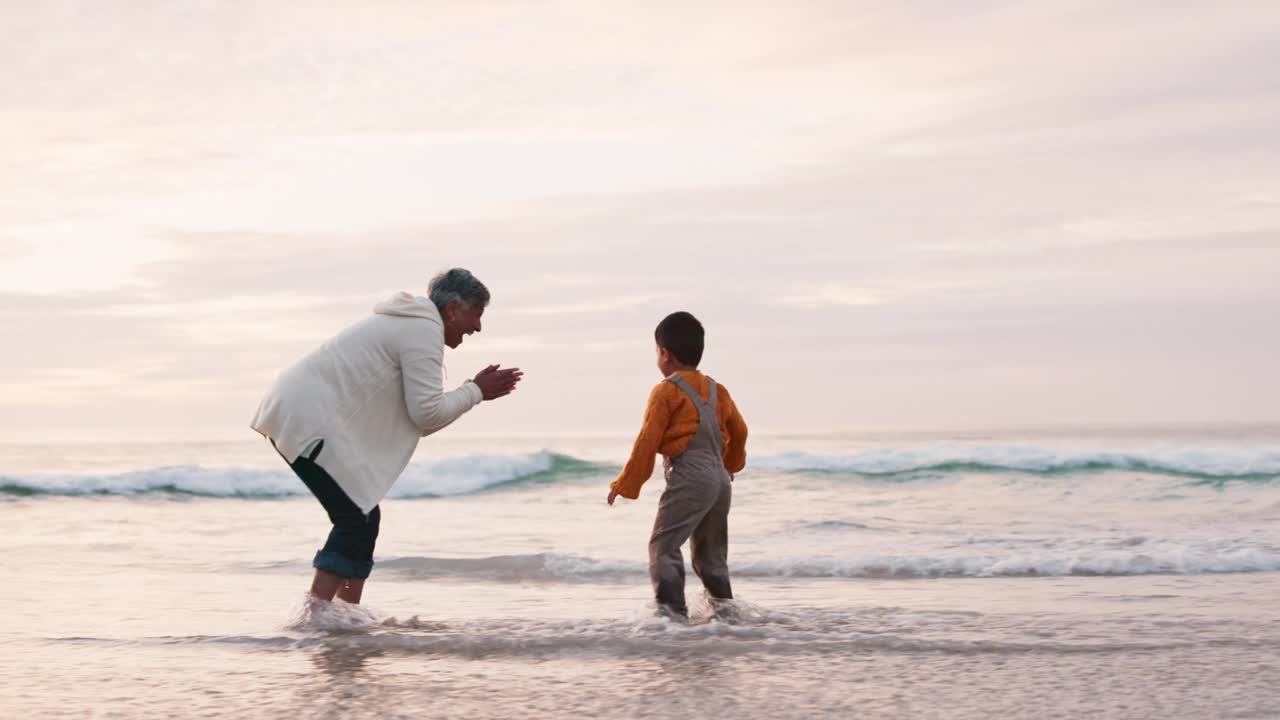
point(325, 584)
point(351, 591)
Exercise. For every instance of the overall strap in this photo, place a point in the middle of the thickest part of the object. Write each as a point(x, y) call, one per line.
point(708, 434)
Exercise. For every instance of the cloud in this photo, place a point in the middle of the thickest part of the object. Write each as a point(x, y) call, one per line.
point(828, 295)
point(236, 305)
point(68, 257)
point(598, 304)
point(924, 287)
point(1234, 219)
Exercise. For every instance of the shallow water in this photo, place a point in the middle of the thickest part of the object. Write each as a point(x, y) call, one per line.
point(958, 591)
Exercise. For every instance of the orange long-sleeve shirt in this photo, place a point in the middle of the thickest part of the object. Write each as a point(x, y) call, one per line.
point(671, 421)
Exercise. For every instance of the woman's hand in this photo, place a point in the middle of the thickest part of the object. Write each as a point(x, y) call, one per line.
point(494, 381)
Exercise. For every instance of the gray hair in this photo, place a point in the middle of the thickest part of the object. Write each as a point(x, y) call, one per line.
point(459, 286)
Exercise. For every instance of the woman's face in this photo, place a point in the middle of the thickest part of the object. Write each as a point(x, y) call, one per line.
point(460, 321)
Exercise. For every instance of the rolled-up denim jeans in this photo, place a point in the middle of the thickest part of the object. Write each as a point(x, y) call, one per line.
point(348, 552)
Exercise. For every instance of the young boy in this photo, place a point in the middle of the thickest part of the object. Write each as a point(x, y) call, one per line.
point(694, 424)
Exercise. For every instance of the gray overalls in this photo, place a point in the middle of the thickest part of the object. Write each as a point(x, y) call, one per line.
point(694, 507)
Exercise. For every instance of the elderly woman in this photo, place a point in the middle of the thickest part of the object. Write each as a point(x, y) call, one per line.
point(347, 417)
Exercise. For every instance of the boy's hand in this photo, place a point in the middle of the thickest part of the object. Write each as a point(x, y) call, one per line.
point(613, 495)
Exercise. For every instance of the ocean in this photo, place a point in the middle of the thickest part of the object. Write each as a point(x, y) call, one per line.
point(1106, 572)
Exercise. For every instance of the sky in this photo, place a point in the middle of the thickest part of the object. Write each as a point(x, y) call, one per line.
point(889, 215)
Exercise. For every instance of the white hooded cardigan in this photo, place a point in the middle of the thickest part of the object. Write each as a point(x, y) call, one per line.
point(370, 393)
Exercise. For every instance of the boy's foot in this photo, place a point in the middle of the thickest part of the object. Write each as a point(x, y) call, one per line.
point(724, 609)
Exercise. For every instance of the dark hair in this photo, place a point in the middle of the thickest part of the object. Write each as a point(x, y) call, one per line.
point(682, 335)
